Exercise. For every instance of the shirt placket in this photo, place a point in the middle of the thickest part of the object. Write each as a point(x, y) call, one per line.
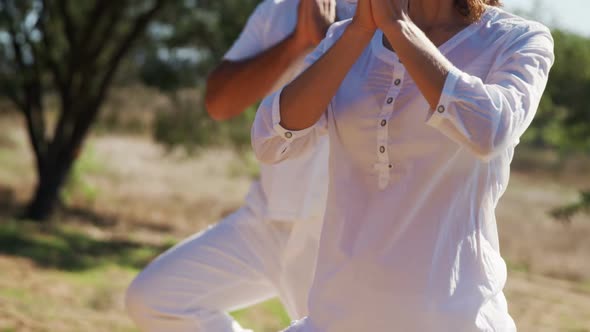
point(384, 164)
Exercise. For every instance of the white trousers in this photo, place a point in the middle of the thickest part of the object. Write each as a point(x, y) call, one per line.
point(238, 262)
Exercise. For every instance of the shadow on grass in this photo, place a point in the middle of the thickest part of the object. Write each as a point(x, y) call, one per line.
point(11, 208)
point(55, 247)
point(8, 204)
point(103, 220)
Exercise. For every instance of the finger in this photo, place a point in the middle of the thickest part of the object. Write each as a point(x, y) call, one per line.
point(332, 11)
point(401, 7)
point(321, 7)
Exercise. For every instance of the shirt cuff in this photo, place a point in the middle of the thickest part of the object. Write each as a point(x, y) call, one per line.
point(436, 116)
point(286, 134)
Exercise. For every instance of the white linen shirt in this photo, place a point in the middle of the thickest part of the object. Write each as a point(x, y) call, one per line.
point(295, 189)
point(409, 242)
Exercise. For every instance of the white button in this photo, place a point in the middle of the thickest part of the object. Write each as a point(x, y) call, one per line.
point(397, 82)
point(288, 134)
point(389, 100)
point(382, 149)
point(383, 123)
point(440, 109)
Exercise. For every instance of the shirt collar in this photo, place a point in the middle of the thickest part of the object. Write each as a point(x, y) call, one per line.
point(391, 57)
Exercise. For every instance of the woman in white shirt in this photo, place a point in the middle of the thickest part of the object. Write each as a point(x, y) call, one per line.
point(267, 247)
point(421, 139)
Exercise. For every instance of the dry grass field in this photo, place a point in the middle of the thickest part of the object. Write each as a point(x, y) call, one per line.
point(134, 199)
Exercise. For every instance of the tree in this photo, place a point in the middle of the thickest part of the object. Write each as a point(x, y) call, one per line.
point(188, 39)
point(74, 48)
point(186, 42)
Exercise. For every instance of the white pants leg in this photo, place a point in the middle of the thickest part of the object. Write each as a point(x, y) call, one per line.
point(236, 263)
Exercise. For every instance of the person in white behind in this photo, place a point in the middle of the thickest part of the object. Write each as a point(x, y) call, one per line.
point(423, 102)
point(269, 246)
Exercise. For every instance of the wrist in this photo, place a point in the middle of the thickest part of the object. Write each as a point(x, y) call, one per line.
point(297, 44)
point(395, 29)
point(359, 32)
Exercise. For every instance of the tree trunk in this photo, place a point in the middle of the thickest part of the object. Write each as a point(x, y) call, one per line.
point(49, 185)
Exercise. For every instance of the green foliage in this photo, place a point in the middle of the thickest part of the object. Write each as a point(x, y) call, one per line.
point(167, 75)
point(187, 124)
point(565, 213)
point(186, 42)
point(563, 119)
point(61, 248)
point(74, 49)
point(188, 39)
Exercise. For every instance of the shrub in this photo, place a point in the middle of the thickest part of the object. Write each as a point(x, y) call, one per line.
point(185, 123)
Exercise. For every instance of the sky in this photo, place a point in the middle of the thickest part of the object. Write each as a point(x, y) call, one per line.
point(572, 15)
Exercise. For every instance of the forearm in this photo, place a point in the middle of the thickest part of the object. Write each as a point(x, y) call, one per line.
point(233, 86)
point(272, 143)
point(484, 116)
point(305, 99)
point(422, 59)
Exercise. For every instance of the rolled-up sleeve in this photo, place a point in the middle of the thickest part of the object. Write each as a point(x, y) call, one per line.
point(488, 116)
point(271, 142)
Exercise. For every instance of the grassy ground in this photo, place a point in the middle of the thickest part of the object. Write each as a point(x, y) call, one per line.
point(132, 200)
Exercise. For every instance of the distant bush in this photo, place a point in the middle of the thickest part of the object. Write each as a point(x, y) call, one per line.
point(185, 123)
point(566, 213)
point(130, 109)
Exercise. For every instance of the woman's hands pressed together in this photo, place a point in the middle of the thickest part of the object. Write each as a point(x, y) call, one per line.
point(422, 59)
point(380, 14)
point(304, 101)
point(363, 19)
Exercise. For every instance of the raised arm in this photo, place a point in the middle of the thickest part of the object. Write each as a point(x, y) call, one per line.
point(247, 75)
point(289, 122)
point(487, 115)
point(305, 100)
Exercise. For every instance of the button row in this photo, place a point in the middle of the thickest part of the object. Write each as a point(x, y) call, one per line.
point(396, 82)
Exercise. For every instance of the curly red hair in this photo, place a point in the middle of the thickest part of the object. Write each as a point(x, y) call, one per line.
point(473, 9)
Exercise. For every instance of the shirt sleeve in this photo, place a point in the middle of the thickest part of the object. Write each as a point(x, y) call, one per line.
point(487, 117)
point(252, 38)
point(271, 142)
